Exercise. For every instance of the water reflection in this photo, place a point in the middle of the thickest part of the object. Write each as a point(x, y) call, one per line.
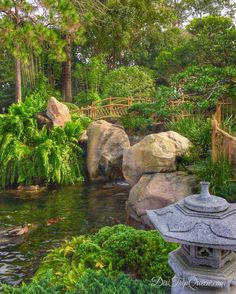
point(85, 209)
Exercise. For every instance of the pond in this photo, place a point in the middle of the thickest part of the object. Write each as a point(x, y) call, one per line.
point(81, 209)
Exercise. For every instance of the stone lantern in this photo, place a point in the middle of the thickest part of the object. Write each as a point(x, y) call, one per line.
point(205, 227)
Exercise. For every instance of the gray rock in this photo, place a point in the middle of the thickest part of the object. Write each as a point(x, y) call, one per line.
point(158, 190)
point(153, 154)
point(58, 112)
point(105, 146)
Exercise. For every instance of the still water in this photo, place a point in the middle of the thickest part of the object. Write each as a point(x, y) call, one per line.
point(83, 209)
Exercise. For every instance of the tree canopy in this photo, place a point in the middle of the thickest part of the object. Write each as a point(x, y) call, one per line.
point(75, 44)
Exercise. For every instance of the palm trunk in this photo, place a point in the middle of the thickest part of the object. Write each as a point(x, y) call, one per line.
point(18, 80)
point(68, 86)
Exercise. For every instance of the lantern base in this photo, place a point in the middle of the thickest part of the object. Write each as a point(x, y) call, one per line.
point(202, 277)
point(180, 287)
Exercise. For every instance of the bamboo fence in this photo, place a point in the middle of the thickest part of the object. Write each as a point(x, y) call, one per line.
point(223, 141)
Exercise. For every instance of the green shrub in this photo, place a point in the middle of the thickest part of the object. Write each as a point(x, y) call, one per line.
point(142, 115)
point(91, 282)
point(71, 106)
point(43, 286)
point(112, 249)
point(128, 81)
point(86, 98)
point(159, 110)
point(136, 123)
point(142, 252)
point(167, 93)
point(97, 283)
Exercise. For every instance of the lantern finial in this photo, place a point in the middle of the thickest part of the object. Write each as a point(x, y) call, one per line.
point(205, 194)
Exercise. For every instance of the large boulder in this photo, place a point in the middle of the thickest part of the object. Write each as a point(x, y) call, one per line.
point(182, 144)
point(153, 154)
point(58, 112)
point(105, 146)
point(157, 191)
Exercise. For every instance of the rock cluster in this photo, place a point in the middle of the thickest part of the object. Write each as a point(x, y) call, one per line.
point(150, 168)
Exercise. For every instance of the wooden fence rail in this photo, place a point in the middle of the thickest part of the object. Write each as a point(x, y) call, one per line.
point(223, 143)
point(117, 106)
point(110, 107)
point(121, 100)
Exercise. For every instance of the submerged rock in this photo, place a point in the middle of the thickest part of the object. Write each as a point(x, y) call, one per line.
point(58, 112)
point(105, 146)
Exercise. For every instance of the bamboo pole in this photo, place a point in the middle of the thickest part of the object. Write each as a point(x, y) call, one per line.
point(226, 134)
point(214, 151)
point(218, 116)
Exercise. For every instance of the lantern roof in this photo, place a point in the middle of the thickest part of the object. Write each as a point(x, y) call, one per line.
point(199, 220)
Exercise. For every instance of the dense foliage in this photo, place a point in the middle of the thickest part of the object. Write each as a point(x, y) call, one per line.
point(91, 282)
point(89, 76)
point(128, 81)
point(44, 286)
point(214, 40)
point(94, 39)
point(30, 155)
point(141, 253)
point(205, 85)
point(209, 40)
point(142, 115)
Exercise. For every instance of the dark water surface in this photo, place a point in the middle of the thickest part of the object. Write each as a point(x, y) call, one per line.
point(85, 209)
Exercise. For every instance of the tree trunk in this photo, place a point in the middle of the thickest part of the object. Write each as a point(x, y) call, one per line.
point(18, 80)
point(67, 80)
point(18, 63)
point(63, 78)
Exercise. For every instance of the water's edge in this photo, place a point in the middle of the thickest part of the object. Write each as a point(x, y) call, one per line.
point(83, 209)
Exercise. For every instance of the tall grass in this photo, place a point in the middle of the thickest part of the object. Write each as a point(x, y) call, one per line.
point(197, 129)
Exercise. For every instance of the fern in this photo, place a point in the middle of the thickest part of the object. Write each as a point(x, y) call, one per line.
point(29, 155)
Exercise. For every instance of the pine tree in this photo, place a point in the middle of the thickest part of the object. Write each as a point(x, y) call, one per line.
point(25, 28)
point(18, 23)
point(70, 17)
